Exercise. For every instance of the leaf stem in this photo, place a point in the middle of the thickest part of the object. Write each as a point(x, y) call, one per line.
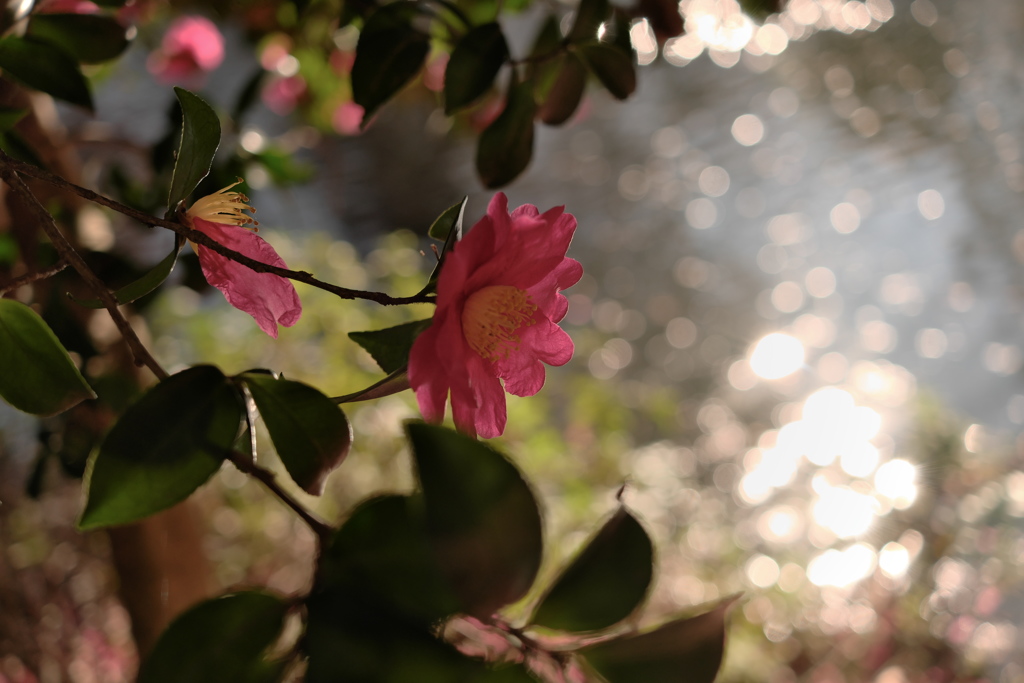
point(208, 242)
point(245, 464)
point(74, 259)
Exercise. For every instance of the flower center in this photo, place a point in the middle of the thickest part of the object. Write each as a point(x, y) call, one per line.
point(225, 208)
point(492, 316)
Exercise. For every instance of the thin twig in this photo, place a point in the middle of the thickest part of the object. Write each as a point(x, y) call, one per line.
point(322, 529)
point(29, 278)
point(68, 253)
point(208, 242)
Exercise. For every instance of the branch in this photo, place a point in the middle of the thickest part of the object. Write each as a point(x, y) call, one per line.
point(322, 529)
point(72, 257)
point(208, 242)
point(29, 278)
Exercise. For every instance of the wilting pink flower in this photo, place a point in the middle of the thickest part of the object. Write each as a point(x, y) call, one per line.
point(191, 48)
point(498, 303)
point(269, 298)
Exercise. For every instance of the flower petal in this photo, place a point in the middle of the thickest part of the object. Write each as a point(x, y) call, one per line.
point(269, 299)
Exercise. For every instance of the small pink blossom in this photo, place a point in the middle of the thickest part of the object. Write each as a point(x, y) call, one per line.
point(347, 118)
point(282, 94)
point(270, 299)
point(498, 305)
point(68, 7)
point(191, 48)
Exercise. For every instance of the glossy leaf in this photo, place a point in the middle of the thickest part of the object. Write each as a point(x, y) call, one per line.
point(566, 91)
point(311, 434)
point(163, 448)
point(389, 54)
point(589, 17)
point(145, 284)
point(612, 66)
point(506, 146)
point(473, 65)
point(218, 640)
point(37, 374)
point(450, 219)
point(89, 38)
point(686, 650)
point(200, 137)
point(42, 65)
point(392, 384)
point(390, 347)
point(605, 583)
point(481, 517)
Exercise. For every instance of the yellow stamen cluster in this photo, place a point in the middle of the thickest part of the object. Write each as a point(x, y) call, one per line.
point(226, 208)
point(492, 316)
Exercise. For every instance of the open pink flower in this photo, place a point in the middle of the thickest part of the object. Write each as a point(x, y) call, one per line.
point(498, 303)
point(269, 299)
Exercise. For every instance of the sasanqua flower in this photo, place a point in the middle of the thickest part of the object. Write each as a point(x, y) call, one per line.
point(269, 298)
point(498, 305)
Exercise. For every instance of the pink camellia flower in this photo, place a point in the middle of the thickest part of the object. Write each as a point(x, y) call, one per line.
point(191, 48)
point(498, 303)
point(269, 298)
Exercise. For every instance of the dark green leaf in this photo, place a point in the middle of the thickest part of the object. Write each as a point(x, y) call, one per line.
point(389, 54)
point(9, 117)
point(163, 448)
point(381, 554)
point(761, 9)
point(612, 66)
point(681, 651)
point(89, 38)
point(15, 145)
point(36, 372)
point(589, 17)
point(392, 384)
point(218, 640)
point(310, 433)
point(566, 91)
point(200, 137)
point(605, 583)
point(473, 65)
point(44, 66)
point(450, 219)
point(390, 347)
point(481, 516)
point(506, 146)
point(145, 284)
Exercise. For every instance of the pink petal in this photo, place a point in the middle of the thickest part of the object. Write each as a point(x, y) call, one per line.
point(269, 299)
point(426, 375)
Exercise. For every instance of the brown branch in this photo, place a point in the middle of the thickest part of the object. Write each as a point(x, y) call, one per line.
point(247, 465)
point(208, 242)
point(72, 257)
point(29, 278)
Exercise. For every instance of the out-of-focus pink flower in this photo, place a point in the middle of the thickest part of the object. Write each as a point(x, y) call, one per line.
point(347, 117)
point(282, 94)
point(269, 299)
point(498, 305)
point(433, 75)
point(191, 48)
point(68, 7)
point(341, 61)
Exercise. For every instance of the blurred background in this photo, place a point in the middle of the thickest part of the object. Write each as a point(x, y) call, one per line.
point(799, 336)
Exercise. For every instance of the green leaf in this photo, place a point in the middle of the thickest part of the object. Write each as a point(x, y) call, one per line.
point(682, 651)
point(145, 284)
point(451, 219)
point(15, 145)
point(89, 38)
point(761, 9)
point(390, 347)
point(218, 640)
point(200, 137)
point(589, 17)
point(605, 583)
point(163, 448)
point(473, 65)
point(566, 91)
point(612, 66)
point(10, 117)
point(506, 146)
point(310, 433)
point(389, 54)
point(481, 516)
point(41, 65)
point(36, 373)
point(392, 384)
